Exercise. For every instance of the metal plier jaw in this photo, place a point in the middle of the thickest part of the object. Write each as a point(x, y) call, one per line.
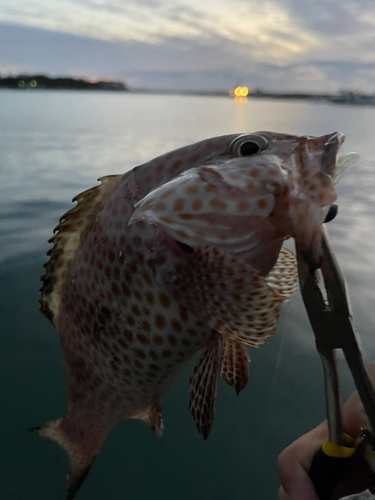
point(331, 320)
point(329, 313)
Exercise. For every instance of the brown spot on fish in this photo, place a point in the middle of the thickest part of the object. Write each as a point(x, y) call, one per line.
point(262, 203)
point(191, 190)
point(179, 204)
point(146, 327)
point(149, 298)
point(176, 325)
point(196, 205)
point(147, 278)
point(167, 193)
point(217, 204)
point(243, 206)
point(143, 339)
point(181, 234)
point(164, 300)
point(159, 321)
point(128, 335)
point(172, 339)
point(139, 353)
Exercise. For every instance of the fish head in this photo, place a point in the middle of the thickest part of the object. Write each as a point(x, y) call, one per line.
point(246, 193)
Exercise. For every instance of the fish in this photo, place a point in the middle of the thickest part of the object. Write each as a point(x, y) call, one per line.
point(181, 255)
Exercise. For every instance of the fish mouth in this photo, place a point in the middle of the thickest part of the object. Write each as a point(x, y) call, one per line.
point(322, 151)
point(327, 147)
point(329, 154)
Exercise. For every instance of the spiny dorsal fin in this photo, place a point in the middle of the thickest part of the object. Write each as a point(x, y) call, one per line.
point(65, 243)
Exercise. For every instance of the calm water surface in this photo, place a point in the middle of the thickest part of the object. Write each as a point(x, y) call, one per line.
point(54, 145)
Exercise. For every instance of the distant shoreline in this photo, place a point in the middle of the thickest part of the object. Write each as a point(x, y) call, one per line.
point(341, 98)
point(42, 82)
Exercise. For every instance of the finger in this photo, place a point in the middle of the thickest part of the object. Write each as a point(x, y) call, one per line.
point(302, 487)
point(294, 463)
point(294, 478)
point(282, 494)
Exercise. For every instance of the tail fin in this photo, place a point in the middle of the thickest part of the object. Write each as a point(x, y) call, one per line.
point(80, 458)
point(74, 480)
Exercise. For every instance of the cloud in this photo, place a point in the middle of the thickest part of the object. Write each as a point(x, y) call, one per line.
point(274, 44)
point(151, 21)
point(333, 17)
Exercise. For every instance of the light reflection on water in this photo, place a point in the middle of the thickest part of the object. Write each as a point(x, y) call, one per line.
point(55, 145)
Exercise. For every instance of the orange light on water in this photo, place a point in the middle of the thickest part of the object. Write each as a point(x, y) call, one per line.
point(240, 99)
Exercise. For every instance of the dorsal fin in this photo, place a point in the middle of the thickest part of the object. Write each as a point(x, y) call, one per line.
point(65, 243)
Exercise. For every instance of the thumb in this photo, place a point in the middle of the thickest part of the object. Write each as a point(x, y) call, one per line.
point(297, 485)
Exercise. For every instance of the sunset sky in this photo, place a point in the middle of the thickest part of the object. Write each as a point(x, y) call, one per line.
point(303, 45)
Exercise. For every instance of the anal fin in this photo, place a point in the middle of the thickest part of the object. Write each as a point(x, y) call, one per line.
point(152, 416)
point(203, 385)
point(235, 367)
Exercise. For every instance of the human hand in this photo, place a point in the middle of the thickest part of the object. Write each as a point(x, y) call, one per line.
point(295, 461)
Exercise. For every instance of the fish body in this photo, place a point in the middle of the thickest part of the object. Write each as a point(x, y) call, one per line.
point(178, 256)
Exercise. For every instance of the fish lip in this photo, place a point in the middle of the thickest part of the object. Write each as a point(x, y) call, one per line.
point(330, 149)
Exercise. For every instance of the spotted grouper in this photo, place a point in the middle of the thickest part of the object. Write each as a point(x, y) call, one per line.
point(180, 255)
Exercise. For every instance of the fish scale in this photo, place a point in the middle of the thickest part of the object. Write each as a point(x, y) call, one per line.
point(178, 256)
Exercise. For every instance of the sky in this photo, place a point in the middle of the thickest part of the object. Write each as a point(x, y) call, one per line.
point(275, 45)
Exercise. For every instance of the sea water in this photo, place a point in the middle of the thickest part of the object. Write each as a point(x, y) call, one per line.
point(53, 145)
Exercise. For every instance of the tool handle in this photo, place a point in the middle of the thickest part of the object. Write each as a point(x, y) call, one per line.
point(326, 473)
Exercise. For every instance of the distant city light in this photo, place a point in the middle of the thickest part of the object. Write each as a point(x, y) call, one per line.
point(239, 92)
point(21, 84)
point(33, 84)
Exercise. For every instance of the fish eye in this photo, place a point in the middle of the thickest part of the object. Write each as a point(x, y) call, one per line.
point(247, 145)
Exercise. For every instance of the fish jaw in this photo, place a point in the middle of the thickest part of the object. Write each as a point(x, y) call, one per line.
point(300, 211)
